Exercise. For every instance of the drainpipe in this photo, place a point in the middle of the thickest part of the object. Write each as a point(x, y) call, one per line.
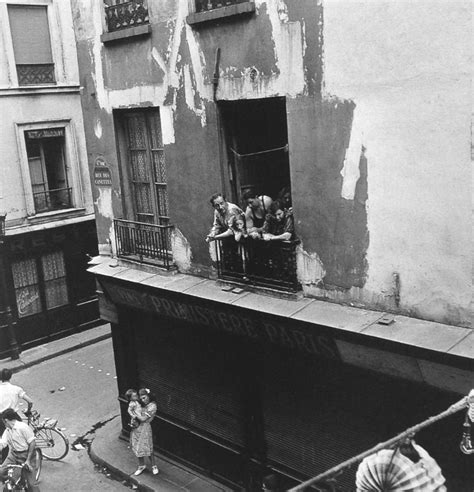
point(396, 289)
point(215, 85)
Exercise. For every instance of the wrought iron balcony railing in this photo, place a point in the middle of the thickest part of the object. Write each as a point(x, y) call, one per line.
point(147, 243)
point(259, 263)
point(126, 14)
point(47, 201)
point(36, 74)
point(205, 5)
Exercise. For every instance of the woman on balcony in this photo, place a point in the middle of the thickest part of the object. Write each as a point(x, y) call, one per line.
point(279, 224)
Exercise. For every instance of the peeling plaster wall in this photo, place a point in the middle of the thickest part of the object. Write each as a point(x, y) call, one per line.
point(406, 67)
point(263, 55)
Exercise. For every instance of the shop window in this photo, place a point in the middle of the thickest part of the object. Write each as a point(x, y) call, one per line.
point(122, 14)
point(40, 283)
point(31, 44)
point(54, 274)
point(26, 285)
point(48, 173)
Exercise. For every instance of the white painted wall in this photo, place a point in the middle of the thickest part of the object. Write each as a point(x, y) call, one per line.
point(36, 105)
point(407, 66)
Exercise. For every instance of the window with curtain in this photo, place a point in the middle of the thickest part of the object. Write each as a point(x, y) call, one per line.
point(31, 44)
point(54, 274)
point(40, 283)
point(27, 289)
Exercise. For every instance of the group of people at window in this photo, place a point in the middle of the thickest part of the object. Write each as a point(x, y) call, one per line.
point(264, 218)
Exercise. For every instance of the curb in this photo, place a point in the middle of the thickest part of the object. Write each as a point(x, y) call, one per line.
point(25, 365)
point(117, 471)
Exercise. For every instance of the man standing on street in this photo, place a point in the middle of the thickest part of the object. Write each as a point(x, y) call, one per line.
point(20, 439)
point(10, 395)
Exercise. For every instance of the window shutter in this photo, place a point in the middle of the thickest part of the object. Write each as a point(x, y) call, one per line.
point(30, 34)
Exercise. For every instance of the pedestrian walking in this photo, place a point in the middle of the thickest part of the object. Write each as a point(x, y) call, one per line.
point(10, 396)
point(141, 438)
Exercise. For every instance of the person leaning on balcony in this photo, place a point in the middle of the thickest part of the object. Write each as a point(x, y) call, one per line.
point(256, 211)
point(279, 224)
point(224, 217)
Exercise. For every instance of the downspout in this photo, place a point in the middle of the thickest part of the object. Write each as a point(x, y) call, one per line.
point(220, 143)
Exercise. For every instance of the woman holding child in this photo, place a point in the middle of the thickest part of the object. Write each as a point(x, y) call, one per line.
point(141, 436)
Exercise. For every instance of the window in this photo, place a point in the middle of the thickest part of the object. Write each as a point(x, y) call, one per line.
point(40, 283)
point(146, 166)
point(26, 284)
point(203, 11)
point(122, 14)
point(31, 44)
point(48, 174)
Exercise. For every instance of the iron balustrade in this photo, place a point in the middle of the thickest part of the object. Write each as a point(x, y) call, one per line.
point(260, 263)
point(36, 74)
point(144, 242)
point(205, 5)
point(57, 199)
point(126, 14)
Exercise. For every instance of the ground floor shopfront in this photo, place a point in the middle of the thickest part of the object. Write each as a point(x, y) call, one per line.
point(48, 290)
point(242, 392)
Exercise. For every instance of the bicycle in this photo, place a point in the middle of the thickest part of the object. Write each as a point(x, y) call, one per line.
point(16, 479)
point(52, 442)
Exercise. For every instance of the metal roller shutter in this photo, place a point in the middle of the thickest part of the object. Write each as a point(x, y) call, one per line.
point(194, 375)
point(306, 431)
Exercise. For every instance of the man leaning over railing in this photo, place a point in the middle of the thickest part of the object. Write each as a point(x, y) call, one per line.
point(225, 215)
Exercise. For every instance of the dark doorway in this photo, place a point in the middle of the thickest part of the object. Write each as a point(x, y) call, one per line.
point(257, 145)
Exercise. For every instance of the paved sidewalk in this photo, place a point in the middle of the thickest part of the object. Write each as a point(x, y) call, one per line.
point(47, 351)
point(110, 450)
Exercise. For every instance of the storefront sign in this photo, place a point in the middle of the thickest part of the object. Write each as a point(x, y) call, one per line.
point(102, 175)
point(257, 327)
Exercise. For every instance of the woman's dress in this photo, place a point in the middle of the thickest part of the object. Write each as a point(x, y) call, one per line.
point(141, 438)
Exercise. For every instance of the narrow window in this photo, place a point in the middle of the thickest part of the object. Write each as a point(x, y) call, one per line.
point(147, 167)
point(54, 274)
point(26, 285)
point(31, 44)
point(48, 173)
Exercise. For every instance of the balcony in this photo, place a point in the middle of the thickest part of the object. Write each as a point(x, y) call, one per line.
point(36, 74)
point(258, 263)
point(204, 5)
point(143, 242)
point(125, 15)
point(47, 201)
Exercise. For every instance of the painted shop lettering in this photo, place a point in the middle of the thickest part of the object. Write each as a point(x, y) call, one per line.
point(277, 333)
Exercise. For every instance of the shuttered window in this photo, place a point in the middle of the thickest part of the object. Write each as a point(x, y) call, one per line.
point(31, 44)
point(147, 168)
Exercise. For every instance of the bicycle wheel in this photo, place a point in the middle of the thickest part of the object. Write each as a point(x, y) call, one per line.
point(52, 442)
point(39, 463)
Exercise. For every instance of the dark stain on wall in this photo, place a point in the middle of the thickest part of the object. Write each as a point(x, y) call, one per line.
point(310, 13)
point(333, 227)
point(244, 42)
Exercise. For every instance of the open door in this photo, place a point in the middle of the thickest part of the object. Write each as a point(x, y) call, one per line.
point(257, 145)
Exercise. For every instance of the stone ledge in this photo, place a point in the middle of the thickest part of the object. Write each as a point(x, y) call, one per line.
point(130, 32)
point(220, 13)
